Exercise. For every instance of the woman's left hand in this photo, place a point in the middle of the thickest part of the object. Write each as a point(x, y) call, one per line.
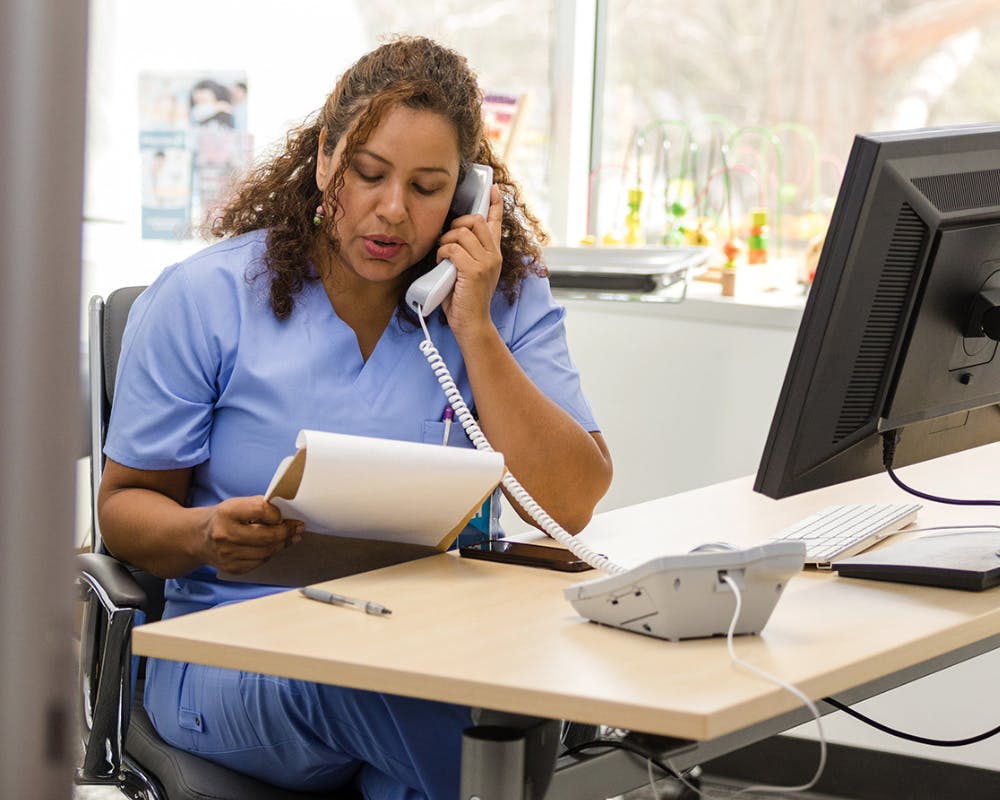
point(473, 246)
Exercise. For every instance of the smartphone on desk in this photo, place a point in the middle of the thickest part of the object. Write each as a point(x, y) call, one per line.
point(530, 555)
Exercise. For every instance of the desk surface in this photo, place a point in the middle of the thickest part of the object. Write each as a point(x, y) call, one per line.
point(503, 637)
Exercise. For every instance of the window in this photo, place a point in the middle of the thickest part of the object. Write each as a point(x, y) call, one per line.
point(608, 97)
point(784, 85)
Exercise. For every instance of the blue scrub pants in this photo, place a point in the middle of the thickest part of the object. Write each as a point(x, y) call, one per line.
point(309, 736)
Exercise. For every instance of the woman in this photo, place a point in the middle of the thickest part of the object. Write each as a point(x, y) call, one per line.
point(296, 320)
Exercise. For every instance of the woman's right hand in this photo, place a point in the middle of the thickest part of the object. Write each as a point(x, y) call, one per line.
point(242, 533)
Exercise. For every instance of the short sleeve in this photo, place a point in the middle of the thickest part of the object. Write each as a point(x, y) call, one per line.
point(536, 335)
point(167, 382)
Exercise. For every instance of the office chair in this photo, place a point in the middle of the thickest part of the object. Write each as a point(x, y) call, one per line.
point(121, 747)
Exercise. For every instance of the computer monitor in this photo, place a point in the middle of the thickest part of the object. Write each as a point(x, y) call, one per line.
point(900, 330)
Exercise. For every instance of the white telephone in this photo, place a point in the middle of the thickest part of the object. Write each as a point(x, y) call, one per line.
point(471, 197)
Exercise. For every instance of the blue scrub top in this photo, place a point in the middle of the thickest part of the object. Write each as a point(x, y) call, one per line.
point(210, 379)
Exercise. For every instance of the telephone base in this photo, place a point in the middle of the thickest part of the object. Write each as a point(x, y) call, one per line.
point(684, 596)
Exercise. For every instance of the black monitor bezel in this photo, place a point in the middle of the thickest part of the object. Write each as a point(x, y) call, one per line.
point(869, 167)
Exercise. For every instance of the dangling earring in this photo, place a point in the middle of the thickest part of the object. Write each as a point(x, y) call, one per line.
point(318, 216)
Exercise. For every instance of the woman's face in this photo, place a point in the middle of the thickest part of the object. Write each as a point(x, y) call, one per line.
point(396, 194)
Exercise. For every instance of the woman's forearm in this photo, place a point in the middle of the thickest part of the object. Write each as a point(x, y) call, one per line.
point(144, 521)
point(565, 468)
point(151, 531)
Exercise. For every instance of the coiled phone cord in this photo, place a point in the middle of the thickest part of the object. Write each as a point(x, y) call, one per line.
point(517, 491)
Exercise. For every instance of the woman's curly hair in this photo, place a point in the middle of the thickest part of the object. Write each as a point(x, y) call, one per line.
point(281, 195)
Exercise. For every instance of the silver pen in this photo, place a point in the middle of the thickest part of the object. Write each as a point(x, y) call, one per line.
point(367, 606)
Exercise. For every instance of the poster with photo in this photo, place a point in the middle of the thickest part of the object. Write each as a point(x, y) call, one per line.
point(193, 144)
point(501, 114)
point(166, 184)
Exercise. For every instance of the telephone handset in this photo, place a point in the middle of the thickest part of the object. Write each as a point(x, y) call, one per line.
point(471, 197)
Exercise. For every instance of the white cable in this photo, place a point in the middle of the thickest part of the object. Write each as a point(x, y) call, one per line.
point(517, 492)
point(652, 780)
point(787, 687)
point(773, 679)
point(951, 528)
point(680, 776)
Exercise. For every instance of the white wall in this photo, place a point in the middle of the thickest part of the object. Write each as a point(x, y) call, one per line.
point(682, 392)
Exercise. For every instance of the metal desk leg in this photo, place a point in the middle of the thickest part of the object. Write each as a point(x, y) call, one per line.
point(508, 761)
point(492, 763)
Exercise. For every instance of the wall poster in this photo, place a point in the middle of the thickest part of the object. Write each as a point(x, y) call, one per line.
point(193, 145)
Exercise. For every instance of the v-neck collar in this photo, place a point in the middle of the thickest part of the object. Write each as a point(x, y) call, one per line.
point(368, 375)
point(375, 372)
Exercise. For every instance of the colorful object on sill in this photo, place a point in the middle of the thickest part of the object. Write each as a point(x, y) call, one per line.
point(777, 178)
point(731, 250)
point(757, 241)
point(805, 226)
point(813, 250)
point(633, 220)
point(674, 231)
point(593, 181)
point(611, 239)
point(699, 236)
point(729, 281)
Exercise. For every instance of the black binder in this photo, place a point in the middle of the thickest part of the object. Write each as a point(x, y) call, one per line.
point(962, 559)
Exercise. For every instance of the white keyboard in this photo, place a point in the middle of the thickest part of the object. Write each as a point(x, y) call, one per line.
point(843, 531)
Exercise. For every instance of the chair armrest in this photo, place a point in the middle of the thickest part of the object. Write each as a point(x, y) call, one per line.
point(113, 597)
point(111, 581)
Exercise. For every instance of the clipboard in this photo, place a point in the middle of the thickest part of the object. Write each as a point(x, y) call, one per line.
point(368, 503)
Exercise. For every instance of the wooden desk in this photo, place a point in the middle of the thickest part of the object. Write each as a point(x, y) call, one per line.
point(503, 637)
